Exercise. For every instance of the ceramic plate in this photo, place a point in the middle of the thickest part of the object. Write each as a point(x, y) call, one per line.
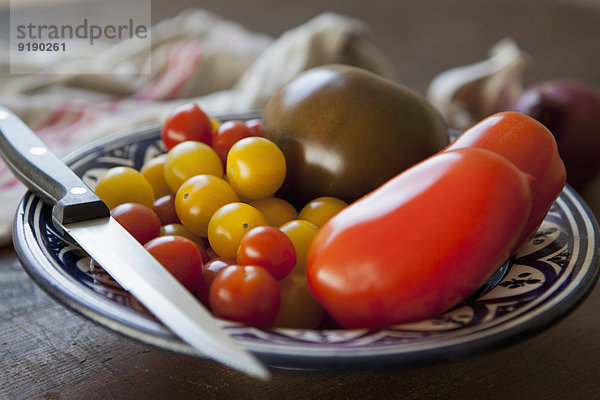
point(546, 279)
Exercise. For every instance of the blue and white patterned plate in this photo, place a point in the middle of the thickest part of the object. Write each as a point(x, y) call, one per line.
point(546, 279)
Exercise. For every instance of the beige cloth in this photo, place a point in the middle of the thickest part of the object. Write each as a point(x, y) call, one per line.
point(196, 56)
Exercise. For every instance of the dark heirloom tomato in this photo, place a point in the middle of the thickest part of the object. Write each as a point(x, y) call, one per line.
point(344, 131)
point(532, 148)
point(420, 243)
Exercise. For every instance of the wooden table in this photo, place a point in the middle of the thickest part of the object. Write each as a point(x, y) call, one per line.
point(47, 352)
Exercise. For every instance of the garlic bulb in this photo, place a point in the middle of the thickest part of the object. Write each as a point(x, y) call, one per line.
point(465, 95)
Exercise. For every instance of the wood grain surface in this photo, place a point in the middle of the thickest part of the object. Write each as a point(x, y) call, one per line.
point(49, 352)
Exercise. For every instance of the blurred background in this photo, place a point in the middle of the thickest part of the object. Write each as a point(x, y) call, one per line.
point(232, 55)
point(229, 56)
point(422, 38)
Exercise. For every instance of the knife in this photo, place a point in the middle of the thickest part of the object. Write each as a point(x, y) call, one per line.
point(83, 215)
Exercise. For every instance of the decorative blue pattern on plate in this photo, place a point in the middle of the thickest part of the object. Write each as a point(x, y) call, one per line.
point(550, 275)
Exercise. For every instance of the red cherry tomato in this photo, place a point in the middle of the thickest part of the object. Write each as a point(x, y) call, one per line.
point(420, 243)
point(209, 271)
point(270, 248)
point(227, 135)
point(164, 207)
point(532, 148)
point(181, 257)
point(254, 125)
point(137, 219)
point(202, 250)
point(186, 122)
point(247, 294)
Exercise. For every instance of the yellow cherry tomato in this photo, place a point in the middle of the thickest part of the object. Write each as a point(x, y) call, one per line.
point(255, 167)
point(229, 224)
point(188, 159)
point(120, 185)
point(298, 308)
point(301, 233)
point(180, 230)
point(277, 211)
point(198, 198)
point(154, 171)
point(320, 210)
point(215, 123)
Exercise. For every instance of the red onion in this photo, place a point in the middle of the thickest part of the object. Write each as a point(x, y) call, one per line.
point(571, 110)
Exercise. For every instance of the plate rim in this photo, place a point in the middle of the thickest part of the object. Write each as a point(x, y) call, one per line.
point(27, 251)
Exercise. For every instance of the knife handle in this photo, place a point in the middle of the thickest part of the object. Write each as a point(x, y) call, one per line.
point(45, 174)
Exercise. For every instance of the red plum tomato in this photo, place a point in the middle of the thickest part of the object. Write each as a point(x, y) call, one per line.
point(366, 278)
point(532, 148)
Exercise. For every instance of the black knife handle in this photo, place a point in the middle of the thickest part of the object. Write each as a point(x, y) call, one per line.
point(45, 174)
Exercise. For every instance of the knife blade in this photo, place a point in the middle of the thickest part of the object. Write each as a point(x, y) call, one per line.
point(83, 215)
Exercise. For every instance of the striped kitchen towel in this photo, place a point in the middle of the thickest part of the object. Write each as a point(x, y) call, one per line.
point(195, 56)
